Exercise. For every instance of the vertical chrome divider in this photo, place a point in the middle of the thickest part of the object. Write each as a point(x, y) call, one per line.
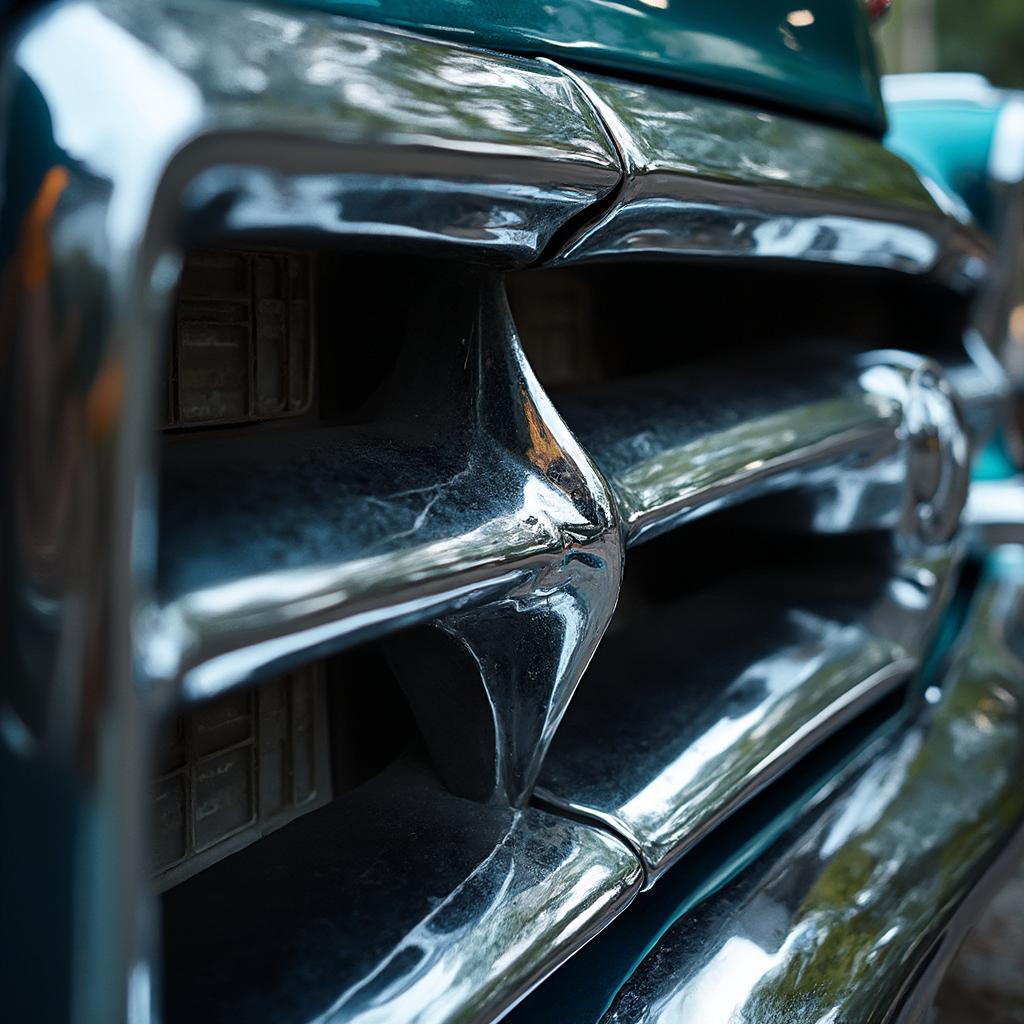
point(528, 649)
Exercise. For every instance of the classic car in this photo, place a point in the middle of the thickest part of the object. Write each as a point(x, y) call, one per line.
point(508, 510)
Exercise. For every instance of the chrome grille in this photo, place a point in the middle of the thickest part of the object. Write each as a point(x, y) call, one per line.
point(470, 522)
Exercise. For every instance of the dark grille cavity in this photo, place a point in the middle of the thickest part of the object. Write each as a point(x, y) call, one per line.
point(242, 349)
point(236, 768)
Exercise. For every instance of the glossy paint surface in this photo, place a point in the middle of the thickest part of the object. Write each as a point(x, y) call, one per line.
point(945, 126)
point(816, 57)
point(706, 178)
point(961, 132)
point(377, 928)
point(833, 922)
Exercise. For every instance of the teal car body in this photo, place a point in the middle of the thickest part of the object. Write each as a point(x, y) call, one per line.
point(817, 57)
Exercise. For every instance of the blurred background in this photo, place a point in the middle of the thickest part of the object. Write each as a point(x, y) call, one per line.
point(986, 36)
point(986, 982)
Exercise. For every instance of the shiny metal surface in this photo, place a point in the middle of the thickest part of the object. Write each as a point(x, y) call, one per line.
point(149, 127)
point(836, 920)
point(705, 178)
point(718, 722)
point(995, 511)
point(464, 488)
point(733, 686)
point(844, 428)
point(143, 128)
point(356, 924)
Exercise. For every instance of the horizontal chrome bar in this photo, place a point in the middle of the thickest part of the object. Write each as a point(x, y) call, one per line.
point(708, 178)
point(837, 919)
point(318, 124)
point(995, 511)
point(834, 424)
point(396, 902)
point(730, 687)
point(464, 488)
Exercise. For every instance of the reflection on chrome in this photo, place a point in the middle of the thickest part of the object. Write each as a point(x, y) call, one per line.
point(835, 920)
point(844, 429)
point(710, 178)
point(720, 708)
point(497, 505)
point(487, 903)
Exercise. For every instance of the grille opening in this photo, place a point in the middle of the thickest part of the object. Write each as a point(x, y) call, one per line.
point(585, 326)
point(277, 337)
point(683, 563)
point(235, 768)
point(387, 417)
point(280, 928)
point(241, 346)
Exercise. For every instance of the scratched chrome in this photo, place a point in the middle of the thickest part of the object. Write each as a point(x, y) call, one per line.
point(464, 487)
point(843, 428)
point(142, 128)
point(838, 918)
point(706, 178)
point(356, 924)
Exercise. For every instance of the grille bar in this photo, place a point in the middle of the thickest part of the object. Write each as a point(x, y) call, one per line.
point(356, 923)
point(710, 179)
point(867, 872)
point(733, 686)
point(824, 421)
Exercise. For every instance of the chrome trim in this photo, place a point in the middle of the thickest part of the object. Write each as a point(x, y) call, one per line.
point(466, 489)
point(734, 685)
point(845, 429)
point(995, 511)
point(158, 125)
point(355, 924)
point(706, 178)
point(834, 921)
point(184, 122)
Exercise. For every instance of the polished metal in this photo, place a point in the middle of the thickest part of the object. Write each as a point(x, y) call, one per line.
point(838, 920)
point(843, 428)
point(142, 129)
point(130, 584)
point(871, 441)
point(398, 902)
point(732, 686)
point(710, 179)
point(464, 488)
point(995, 512)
